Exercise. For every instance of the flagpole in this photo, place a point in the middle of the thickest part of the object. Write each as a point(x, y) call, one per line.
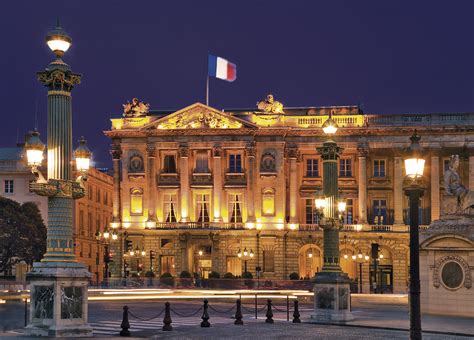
point(207, 90)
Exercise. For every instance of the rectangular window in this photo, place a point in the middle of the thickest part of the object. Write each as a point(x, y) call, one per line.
point(379, 168)
point(169, 208)
point(345, 167)
point(235, 163)
point(90, 190)
point(348, 217)
point(98, 195)
point(312, 169)
point(169, 164)
point(202, 165)
point(202, 208)
point(8, 187)
point(136, 202)
point(106, 197)
point(380, 211)
point(235, 208)
point(81, 222)
point(268, 202)
point(89, 224)
point(269, 261)
point(310, 212)
point(445, 165)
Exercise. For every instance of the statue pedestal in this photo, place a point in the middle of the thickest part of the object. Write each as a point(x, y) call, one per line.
point(58, 298)
point(447, 266)
point(332, 299)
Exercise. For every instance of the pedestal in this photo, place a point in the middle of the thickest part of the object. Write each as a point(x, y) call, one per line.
point(332, 298)
point(58, 298)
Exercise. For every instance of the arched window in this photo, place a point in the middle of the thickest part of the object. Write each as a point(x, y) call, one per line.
point(136, 201)
point(268, 202)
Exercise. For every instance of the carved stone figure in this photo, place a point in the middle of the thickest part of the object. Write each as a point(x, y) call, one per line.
point(135, 163)
point(268, 162)
point(135, 109)
point(270, 105)
point(454, 187)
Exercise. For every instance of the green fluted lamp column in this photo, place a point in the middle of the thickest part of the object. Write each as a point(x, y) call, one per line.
point(59, 283)
point(332, 286)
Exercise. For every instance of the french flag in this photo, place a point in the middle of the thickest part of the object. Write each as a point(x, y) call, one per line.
point(221, 68)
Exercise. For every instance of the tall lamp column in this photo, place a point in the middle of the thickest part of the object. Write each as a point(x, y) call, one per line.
point(59, 283)
point(413, 187)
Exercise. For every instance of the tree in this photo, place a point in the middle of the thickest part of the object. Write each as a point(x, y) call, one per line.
point(22, 234)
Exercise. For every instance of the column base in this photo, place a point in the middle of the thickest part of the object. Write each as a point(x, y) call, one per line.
point(332, 302)
point(58, 298)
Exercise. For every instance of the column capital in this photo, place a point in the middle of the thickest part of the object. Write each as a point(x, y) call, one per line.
point(251, 149)
point(362, 150)
point(59, 78)
point(217, 151)
point(183, 150)
point(116, 151)
point(291, 151)
point(151, 150)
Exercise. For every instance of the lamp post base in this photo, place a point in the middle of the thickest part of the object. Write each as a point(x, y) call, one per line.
point(58, 296)
point(332, 298)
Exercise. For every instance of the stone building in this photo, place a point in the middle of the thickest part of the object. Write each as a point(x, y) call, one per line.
point(91, 213)
point(196, 185)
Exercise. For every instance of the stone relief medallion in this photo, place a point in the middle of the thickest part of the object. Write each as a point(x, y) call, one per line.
point(71, 302)
point(43, 302)
point(135, 163)
point(453, 272)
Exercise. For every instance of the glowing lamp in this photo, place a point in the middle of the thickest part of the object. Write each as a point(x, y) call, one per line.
point(132, 252)
point(97, 235)
point(381, 256)
point(83, 155)
point(251, 253)
point(114, 225)
point(114, 235)
point(106, 234)
point(150, 224)
point(414, 163)
point(143, 252)
point(200, 252)
point(354, 257)
point(366, 257)
point(341, 206)
point(329, 126)
point(239, 253)
point(320, 203)
point(246, 252)
point(58, 40)
point(360, 255)
point(310, 254)
point(346, 256)
point(34, 148)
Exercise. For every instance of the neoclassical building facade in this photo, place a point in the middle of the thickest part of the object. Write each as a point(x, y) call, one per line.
point(193, 186)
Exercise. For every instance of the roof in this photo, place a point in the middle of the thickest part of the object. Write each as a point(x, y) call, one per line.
point(11, 154)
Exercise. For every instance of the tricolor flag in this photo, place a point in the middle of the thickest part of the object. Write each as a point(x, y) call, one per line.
point(221, 68)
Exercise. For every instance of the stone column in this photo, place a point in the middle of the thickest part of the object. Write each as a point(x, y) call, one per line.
point(116, 153)
point(151, 180)
point(183, 251)
point(471, 173)
point(251, 152)
point(217, 176)
point(291, 153)
point(184, 181)
point(400, 270)
point(398, 191)
point(363, 152)
point(434, 177)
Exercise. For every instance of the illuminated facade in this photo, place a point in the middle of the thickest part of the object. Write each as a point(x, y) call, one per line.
point(219, 181)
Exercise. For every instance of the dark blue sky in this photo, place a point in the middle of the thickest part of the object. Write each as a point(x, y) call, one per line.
point(392, 56)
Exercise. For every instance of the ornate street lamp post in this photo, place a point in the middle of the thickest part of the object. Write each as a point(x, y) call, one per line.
point(59, 283)
point(332, 286)
point(413, 186)
point(360, 259)
point(246, 255)
point(106, 236)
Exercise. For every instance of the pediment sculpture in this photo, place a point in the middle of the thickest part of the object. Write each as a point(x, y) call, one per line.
point(464, 198)
point(270, 105)
point(135, 109)
point(200, 119)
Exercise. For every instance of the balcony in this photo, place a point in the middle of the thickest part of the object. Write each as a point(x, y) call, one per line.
point(200, 226)
point(235, 179)
point(167, 179)
point(201, 179)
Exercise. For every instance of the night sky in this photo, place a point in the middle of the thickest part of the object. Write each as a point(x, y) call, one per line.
point(391, 56)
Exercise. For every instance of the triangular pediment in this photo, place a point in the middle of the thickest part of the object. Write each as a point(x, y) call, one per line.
point(198, 116)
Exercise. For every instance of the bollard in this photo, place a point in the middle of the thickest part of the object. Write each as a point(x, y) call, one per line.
point(167, 319)
point(205, 315)
point(125, 324)
point(255, 306)
point(296, 313)
point(238, 314)
point(287, 308)
point(269, 314)
point(26, 311)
